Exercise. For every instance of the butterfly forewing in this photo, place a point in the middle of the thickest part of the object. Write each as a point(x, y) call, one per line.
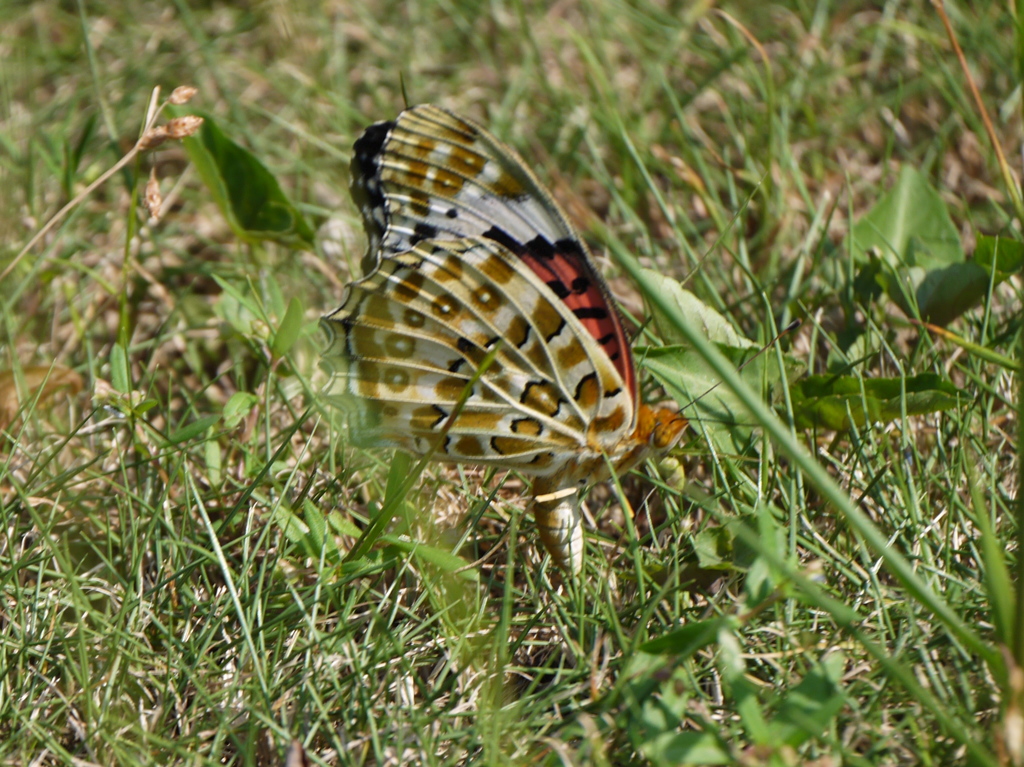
point(433, 175)
point(440, 176)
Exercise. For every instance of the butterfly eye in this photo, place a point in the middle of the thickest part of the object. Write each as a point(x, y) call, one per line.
point(668, 430)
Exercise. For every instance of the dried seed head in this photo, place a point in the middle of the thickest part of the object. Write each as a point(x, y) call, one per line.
point(182, 94)
point(182, 127)
point(153, 199)
point(154, 137)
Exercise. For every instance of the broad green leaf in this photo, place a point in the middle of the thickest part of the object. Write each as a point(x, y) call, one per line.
point(1001, 255)
point(343, 525)
point(319, 538)
point(714, 411)
point(316, 526)
point(289, 329)
point(662, 686)
point(246, 192)
point(214, 462)
point(309, 531)
point(687, 640)
point(743, 692)
point(944, 294)
point(809, 708)
point(689, 379)
point(758, 585)
point(238, 407)
point(838, 402)
point(235, 308)
point(119, 376)
point(294, 529)
point(145, 406)
point(272, 298)
point(192, 430)
point(715, 548)
point(440, 558)
point(697, 748)
point(909, 226)
point(909, 245)
point(716, 327)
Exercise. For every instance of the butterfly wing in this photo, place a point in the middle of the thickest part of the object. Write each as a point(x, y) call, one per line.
point(482, 333)
point(431, 174)
point(409, 341)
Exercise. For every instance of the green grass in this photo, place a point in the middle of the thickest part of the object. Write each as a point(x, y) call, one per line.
point(176, 558)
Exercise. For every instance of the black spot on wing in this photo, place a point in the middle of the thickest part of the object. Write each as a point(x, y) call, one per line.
point(547, 457)
point(568, 245)
point(540, 248)
point(559, 289)
point(441, 417)
point(365, 160)
point(452, 213)
point(373, 138)
point(422, 231)
point(350, 351)
point(590, 312)
point(580, 285)
point(502, 237)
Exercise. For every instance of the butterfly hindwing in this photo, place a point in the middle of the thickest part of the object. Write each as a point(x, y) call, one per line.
point(411, 336)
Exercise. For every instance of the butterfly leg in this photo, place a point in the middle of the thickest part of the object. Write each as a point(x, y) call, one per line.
point(559, 523)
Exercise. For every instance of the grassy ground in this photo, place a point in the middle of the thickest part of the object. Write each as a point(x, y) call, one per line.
point(175, 524)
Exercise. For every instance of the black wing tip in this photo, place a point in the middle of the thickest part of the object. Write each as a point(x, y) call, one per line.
point(369, 145)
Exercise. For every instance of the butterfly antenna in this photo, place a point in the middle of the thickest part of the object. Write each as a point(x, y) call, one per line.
point(401, 84)
point(788, 329)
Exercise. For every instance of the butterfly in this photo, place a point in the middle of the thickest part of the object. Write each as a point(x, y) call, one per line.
point(482, 333)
